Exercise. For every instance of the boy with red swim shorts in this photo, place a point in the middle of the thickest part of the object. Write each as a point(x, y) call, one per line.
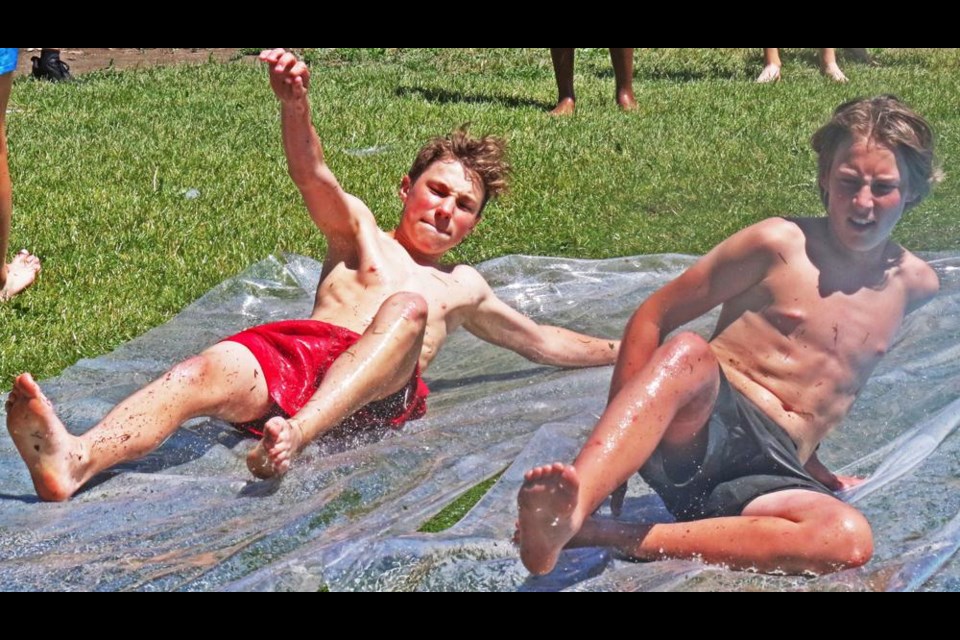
point(384, 306)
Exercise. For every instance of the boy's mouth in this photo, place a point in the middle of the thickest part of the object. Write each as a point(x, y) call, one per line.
point(862, 224)
point(434, 229)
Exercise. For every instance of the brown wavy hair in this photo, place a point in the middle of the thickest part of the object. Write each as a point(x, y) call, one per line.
point(484, 157)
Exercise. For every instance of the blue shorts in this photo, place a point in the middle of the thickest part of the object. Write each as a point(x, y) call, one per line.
point(748, 455)
point(8, 60)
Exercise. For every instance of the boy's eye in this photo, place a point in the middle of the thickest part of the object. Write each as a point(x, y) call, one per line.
point(883, 189)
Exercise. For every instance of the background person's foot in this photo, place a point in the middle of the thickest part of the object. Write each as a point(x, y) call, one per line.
point(770, 73)
point(833, 72)
point(49, 66)
point(565, 107)
point(21, 273)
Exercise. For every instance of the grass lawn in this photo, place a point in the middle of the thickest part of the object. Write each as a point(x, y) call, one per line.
point(105, 169)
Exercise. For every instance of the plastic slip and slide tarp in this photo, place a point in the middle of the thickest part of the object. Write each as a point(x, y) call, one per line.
point(190, 517)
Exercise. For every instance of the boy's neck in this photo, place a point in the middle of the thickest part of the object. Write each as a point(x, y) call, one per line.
point(422, 259)
point(877, 258)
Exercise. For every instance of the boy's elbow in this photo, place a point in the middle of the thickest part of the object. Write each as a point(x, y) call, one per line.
point(538, 350)
point(306, 179)
point(538, 356)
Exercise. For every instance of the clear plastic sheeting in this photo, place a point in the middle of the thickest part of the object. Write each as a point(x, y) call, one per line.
point(189, 516)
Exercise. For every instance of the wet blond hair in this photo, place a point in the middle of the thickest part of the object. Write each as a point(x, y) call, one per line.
point(888, 121)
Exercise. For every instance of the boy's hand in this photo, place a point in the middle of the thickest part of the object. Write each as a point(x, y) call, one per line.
point(289, 77)
point(842, 483)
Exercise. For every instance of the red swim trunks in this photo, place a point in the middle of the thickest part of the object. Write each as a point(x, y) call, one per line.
point(295, 355)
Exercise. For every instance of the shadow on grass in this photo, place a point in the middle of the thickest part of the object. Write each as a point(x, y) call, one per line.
point(442, 96)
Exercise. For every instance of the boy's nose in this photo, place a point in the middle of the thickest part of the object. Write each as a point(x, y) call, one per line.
point(446, 207)
point(863, 199)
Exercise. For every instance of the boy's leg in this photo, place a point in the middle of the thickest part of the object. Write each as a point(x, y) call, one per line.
point(225, 382)
point(669, 402)
point(793, 531)
point(563, 71)
point(771, 66)
point(622, 60)
point(829, 67)
point(6, 191)
point(379, 364)
point(23, 269)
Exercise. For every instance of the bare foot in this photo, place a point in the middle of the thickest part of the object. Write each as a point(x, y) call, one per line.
point(565, 107)
point(547, 501)
point(626, 101)
point(833, 72)
point(272, 455)
point(55, 458)
point(770, 73)
point(21, 272)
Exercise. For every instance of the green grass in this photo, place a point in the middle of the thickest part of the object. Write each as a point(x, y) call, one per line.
point(100, 167)
point(454, 511)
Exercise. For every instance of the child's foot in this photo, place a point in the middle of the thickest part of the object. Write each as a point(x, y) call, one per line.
point(54, 457)
point(833, 72)
point(547, 501)
point(626, 101)
point(770, 73)
point(565, 107)
point(274, 453)
point(21, 272)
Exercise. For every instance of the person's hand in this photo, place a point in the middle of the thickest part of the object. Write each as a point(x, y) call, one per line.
point(842, 483)
point(289, 77)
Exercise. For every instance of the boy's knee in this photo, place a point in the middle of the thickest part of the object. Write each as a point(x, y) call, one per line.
point(412, 306)
point(858, 538)
point(846, 538)
point(690, 349)
point(193, 371)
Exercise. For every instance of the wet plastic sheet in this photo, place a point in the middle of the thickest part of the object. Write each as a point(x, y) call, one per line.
point(189, 516)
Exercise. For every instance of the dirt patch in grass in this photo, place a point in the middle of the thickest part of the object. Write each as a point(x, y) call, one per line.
point(86, 60)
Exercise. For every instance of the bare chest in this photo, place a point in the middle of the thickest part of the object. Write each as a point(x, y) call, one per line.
point(855, 328)
point(354, 288)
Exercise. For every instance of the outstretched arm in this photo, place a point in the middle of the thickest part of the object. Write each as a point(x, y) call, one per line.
point(498, 323)
point(338, 214)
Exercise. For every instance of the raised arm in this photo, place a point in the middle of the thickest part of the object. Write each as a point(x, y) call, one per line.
point(498, 323)
point(338, 214)
point(732, 267)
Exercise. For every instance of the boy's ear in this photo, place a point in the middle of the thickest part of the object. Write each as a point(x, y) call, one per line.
point(911, 199)
point(405, 185)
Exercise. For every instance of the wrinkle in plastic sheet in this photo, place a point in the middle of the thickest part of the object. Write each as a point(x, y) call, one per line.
point(189, 517)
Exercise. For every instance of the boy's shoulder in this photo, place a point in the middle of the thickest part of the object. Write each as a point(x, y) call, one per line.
point(781, 230)
point(773, 235)
point(463, 275)
point(921, 280)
